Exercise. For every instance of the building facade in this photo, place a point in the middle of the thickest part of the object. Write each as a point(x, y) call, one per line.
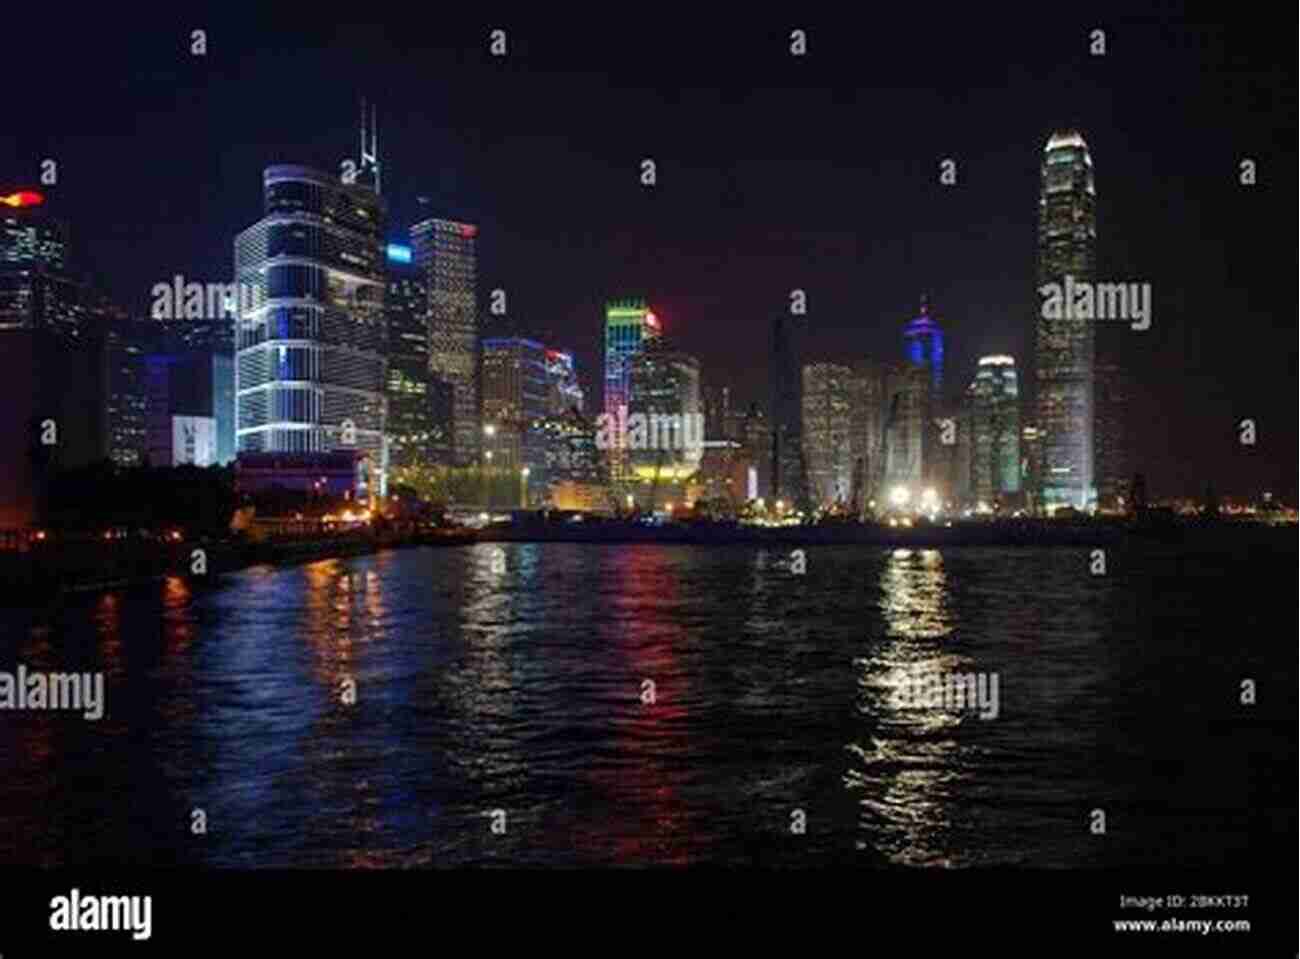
point(664, 432)
point(827, 401)
point(907, 400)
point(789, 474)
point(310, 366)
point(629, 327)
point(446, 252)
point(995, 424)
point(418, 425)
point(1067, 239)
point(516, 403)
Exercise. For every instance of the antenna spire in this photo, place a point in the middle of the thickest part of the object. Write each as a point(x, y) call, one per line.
point(370, 140)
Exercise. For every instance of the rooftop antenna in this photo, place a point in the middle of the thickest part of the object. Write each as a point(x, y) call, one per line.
point(370, 141)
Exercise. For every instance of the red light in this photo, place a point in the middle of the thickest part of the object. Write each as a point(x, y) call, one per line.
point(651, 319)
point(23, 198)
point(467, 230)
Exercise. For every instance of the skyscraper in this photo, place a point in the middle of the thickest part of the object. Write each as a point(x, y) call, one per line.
point(516, 392)
point(629, 325)
point(827, 431)
point(789, 471)
point(445, 251)
point(417, 435)
point(1112, 388)
point(756, 445)
point(923, 346)
point(1067, 239)
point(38, 290)
point(995, 427)
point(310, 363)
point(563, 391)
point(867, 439)
point(664, 388)
point(718, 418)
point(907, 400)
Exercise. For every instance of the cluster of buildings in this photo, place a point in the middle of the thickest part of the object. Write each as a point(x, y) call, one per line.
point(869, 437)
point(341, 355)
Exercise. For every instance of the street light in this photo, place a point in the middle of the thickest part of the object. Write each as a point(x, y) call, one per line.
point(523, 487)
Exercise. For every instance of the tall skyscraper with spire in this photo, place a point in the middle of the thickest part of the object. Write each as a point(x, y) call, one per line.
point(310, 354)
point(1067, 240)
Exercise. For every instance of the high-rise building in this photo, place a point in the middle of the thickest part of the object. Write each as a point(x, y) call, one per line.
point(963, 465)
point(54, 349)
point(664, 388)
point(310, 350)
point(445, 250)
point(923, 346)
point(629, 326)
point(789, 471)
point(1067, 239)
point(718, 418)
point(995, 424)
point(1111, 390)
point(38, 290)
point(827, 400)
point(907, 398)
point(516, 395)
point(867, 436)
point(130, 342)
point(417, 434)
point(1031, 465)
point(756, 446)
point(564, 393)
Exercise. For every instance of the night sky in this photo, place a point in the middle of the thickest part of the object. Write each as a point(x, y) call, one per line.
point(775, 172)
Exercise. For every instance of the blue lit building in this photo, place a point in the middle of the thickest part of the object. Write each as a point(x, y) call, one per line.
point(923, 346)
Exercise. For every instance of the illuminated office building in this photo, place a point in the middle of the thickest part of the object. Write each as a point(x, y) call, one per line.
point(310, 351)
point(827, 431)
point(629, 326)
point(446, 252)
point(995, 425)
point(419, 417)
point(1067, 239)
point(664, 398)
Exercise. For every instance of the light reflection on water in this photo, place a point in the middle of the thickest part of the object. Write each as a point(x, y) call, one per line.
point(909, 769)
point(484, 685)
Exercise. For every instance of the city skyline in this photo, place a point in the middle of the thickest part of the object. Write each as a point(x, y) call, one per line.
point(712, 288)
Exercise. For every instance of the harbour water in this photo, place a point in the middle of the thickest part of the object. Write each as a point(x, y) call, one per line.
point(653, 704)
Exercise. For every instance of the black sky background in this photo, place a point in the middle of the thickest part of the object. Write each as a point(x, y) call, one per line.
point(775, 172)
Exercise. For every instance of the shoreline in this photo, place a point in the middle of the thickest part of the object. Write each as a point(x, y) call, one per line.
point(91, 567)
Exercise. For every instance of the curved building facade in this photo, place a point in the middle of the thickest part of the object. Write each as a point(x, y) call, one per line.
point(310, 341)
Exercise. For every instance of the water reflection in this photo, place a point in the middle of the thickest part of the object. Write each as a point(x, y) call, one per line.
point(485, 685)
point(907, 768)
